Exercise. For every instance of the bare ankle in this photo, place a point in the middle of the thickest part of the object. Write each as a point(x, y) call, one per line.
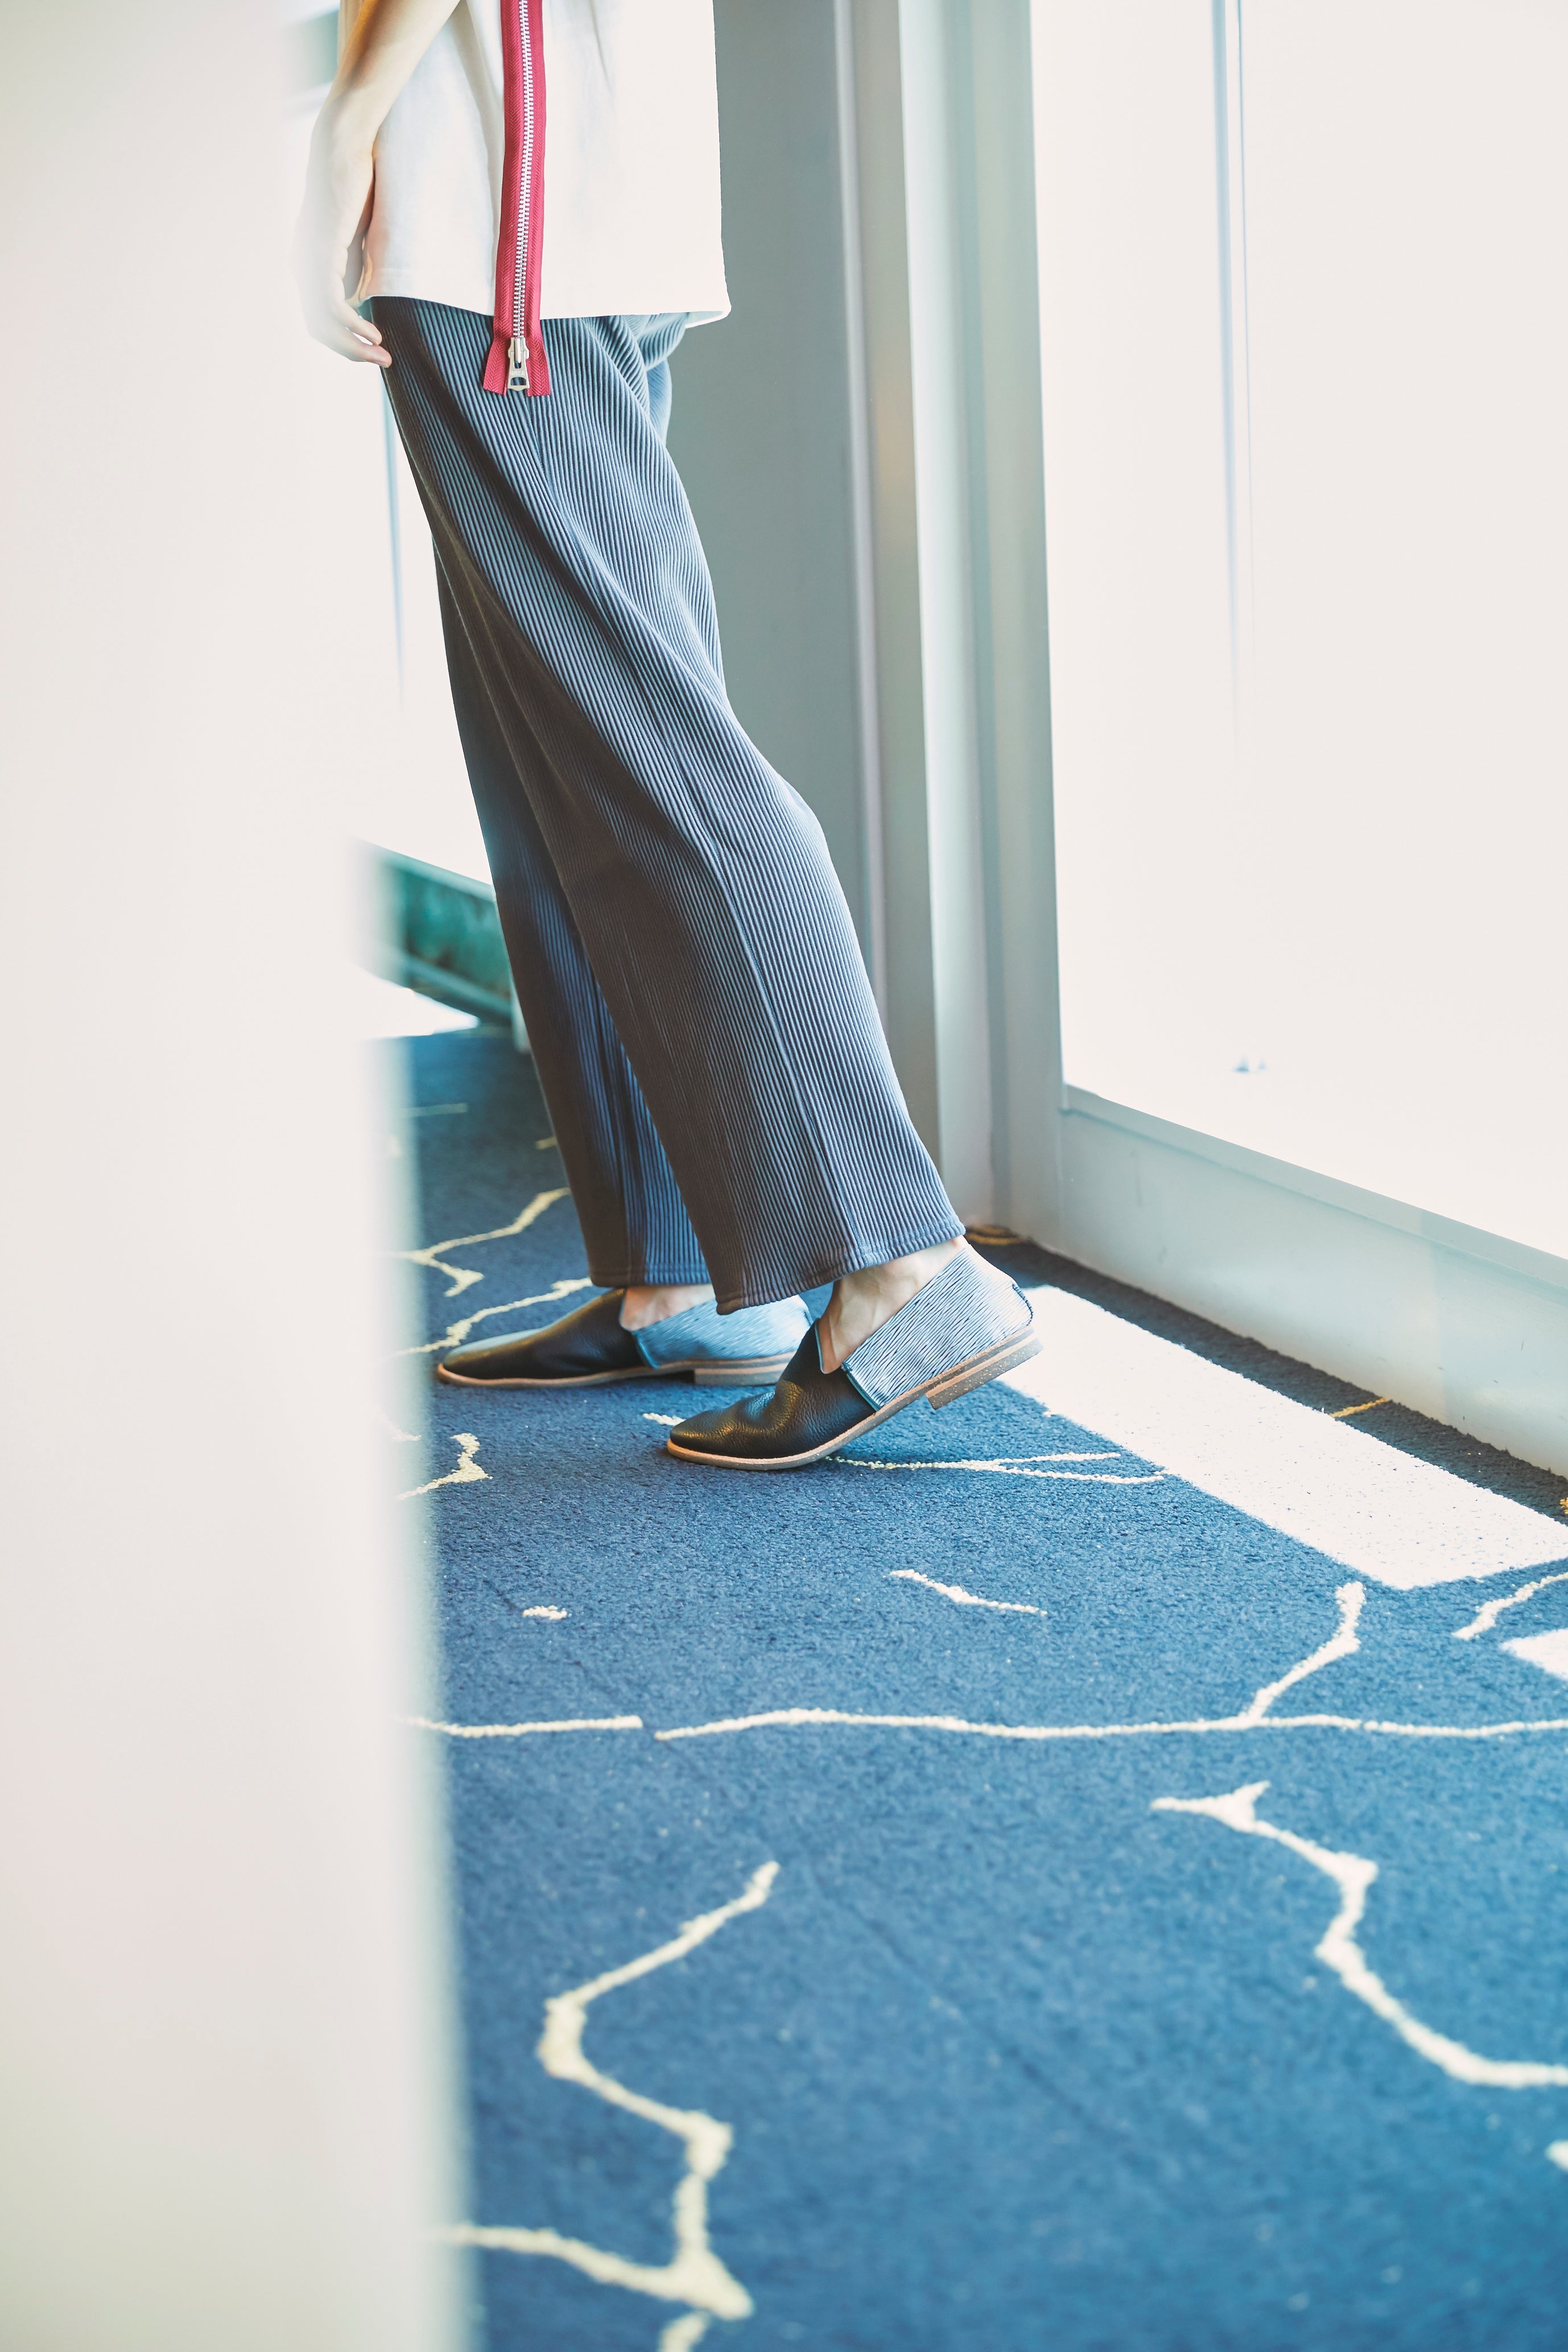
point(650, 1303)
point(863, 1302)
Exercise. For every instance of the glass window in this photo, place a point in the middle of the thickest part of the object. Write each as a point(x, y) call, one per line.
point(1306, 369)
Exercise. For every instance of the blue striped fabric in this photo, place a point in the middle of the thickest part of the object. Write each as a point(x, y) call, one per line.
point(756, 1331)
point(689, 972)
point(965, 1309)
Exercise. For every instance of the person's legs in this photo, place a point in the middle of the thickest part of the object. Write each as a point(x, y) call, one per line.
point(635, 1225)
point(700, 897)
point(634, 1221)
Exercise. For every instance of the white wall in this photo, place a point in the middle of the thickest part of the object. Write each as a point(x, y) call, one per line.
point(408, 787)
point(762, 427)
point(224, 2053)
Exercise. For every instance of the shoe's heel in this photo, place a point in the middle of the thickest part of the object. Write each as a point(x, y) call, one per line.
point(988, 1365)
point(741, 1372)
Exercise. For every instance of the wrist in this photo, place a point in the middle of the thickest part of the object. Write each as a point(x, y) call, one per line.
point(348, 122)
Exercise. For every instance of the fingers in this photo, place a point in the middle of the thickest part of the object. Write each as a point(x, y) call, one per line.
point(356, 338)
point(356, 347)
point(360, 339)
point(332, 321)
point(350, 338)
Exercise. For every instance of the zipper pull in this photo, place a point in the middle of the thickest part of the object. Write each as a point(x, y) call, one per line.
point(517, 356)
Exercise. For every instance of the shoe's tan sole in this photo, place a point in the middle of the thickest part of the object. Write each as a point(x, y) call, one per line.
point(746, 1372)
point(989, 1365)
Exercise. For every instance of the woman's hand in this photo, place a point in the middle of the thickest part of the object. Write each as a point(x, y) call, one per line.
point(387, 39)
point(328, 244)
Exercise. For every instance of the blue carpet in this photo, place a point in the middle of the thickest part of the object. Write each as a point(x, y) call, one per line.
point(1015, 2055)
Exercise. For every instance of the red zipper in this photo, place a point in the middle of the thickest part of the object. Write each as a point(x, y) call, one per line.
point(517, 356)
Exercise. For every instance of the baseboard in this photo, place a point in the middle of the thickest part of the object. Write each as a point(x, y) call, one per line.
point(1467, 1327)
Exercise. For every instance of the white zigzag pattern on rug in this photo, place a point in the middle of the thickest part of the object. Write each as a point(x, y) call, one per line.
point(1339, 1951)
point(1486, 1616)
point(434, 1253)
point(465, 1472)
point(694, 2275)
point(1020, 1466)
point(960, 1596)
point(1257, 1716)
point(456, 1333)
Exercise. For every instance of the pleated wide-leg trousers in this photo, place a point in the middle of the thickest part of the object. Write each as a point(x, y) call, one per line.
point(694, 993)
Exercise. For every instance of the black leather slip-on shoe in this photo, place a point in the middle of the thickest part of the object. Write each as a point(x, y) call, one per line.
point(812, 1413)
point(586, 1349)
point(589, 1349)
point(806, 1415)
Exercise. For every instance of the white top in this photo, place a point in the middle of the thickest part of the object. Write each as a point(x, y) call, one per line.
point(631, 162)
